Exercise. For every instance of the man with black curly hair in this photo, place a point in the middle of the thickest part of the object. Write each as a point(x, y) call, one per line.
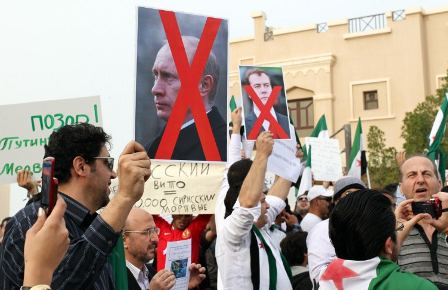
point(84, 170)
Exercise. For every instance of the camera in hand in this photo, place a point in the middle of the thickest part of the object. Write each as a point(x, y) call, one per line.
point(432, 207)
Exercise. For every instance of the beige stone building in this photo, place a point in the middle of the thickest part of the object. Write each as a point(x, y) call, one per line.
point(376, 67)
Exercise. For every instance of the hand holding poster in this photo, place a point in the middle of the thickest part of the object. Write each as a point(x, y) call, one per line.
point(180, 188)
point(26, 127)
point(180, 116)
point(326, 158)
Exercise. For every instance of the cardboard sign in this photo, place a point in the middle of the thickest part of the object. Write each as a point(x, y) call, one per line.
point(187, 85)
point(180, 188)
point(264, 102)
point(25, 129)
point(326, 158)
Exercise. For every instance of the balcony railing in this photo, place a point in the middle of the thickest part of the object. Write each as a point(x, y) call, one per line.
point(367, 23)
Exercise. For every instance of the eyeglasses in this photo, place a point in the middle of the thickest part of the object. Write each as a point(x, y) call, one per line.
point(147, 232)
point(109, 161)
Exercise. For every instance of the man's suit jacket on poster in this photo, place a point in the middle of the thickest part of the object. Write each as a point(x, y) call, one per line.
point(251, 118)
point(188, 145)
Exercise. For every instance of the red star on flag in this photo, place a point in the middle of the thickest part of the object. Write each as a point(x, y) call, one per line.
point(337, 272)
point(261, 245)
point(358, 163)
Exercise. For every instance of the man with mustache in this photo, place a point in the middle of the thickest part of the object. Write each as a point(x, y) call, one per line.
point(140, 237)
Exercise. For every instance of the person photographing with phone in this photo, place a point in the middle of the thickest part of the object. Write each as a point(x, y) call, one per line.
point(84, 170)
point(424, 251)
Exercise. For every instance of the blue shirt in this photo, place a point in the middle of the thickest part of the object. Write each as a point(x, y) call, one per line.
point(85, 263)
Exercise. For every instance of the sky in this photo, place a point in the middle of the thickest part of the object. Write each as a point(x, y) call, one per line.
point(58, 49)
point(289, 13)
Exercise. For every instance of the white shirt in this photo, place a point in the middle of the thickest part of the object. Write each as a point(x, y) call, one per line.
point(276, 235)
point(296, 270)
point(233, 248)
point(320, 250)
point(140, 276)
point(309, 221)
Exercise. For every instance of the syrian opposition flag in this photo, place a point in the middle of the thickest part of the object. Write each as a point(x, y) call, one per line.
point(321, 130)
point(358, 162)
point(435, 151)
point(307, 178)
point(118, 261)
point(355, 275)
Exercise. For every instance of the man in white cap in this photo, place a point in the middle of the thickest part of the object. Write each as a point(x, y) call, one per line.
point(320, 201)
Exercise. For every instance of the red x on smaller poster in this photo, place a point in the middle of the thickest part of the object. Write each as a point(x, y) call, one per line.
point(264, 102)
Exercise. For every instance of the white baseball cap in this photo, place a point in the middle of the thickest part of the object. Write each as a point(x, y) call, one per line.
point(318, 190)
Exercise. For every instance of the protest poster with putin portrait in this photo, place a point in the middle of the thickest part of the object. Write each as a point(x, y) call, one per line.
point(264, 102)
point(181, 86)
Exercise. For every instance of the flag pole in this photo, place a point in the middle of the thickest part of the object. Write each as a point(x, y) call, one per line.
point(368, 177)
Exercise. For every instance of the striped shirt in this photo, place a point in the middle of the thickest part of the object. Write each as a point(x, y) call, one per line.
point(85, 263)
point(427, 259)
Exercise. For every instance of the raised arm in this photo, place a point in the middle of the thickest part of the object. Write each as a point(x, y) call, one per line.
point(280, 188)
point(234, 155)
point(133, 171)
point(253, 183)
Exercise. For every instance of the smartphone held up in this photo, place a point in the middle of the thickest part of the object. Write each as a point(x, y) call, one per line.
point(49, 185)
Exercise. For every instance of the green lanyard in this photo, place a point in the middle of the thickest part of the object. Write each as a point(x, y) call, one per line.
point(272, 262)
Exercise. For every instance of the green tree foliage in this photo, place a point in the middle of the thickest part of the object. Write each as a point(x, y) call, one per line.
point(383, 168)
point(418, 123)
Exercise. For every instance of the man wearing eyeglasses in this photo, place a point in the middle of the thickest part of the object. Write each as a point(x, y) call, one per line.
point(84, 170)
point(320, 200)
point(140, 236)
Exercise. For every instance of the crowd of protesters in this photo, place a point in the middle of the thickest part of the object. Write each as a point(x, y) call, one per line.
point(336, 236)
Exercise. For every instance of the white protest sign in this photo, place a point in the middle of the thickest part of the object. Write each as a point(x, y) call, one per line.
point(180, 188)
point(325, 158)
point(178, 260)
point(283, 161)
point(25, 129)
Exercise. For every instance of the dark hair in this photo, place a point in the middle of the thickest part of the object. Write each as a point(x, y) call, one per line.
point(360, 224)
point(235, 176)
point(294, 248)
point(70, 141)
point(256, 71)
point(390, 189)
